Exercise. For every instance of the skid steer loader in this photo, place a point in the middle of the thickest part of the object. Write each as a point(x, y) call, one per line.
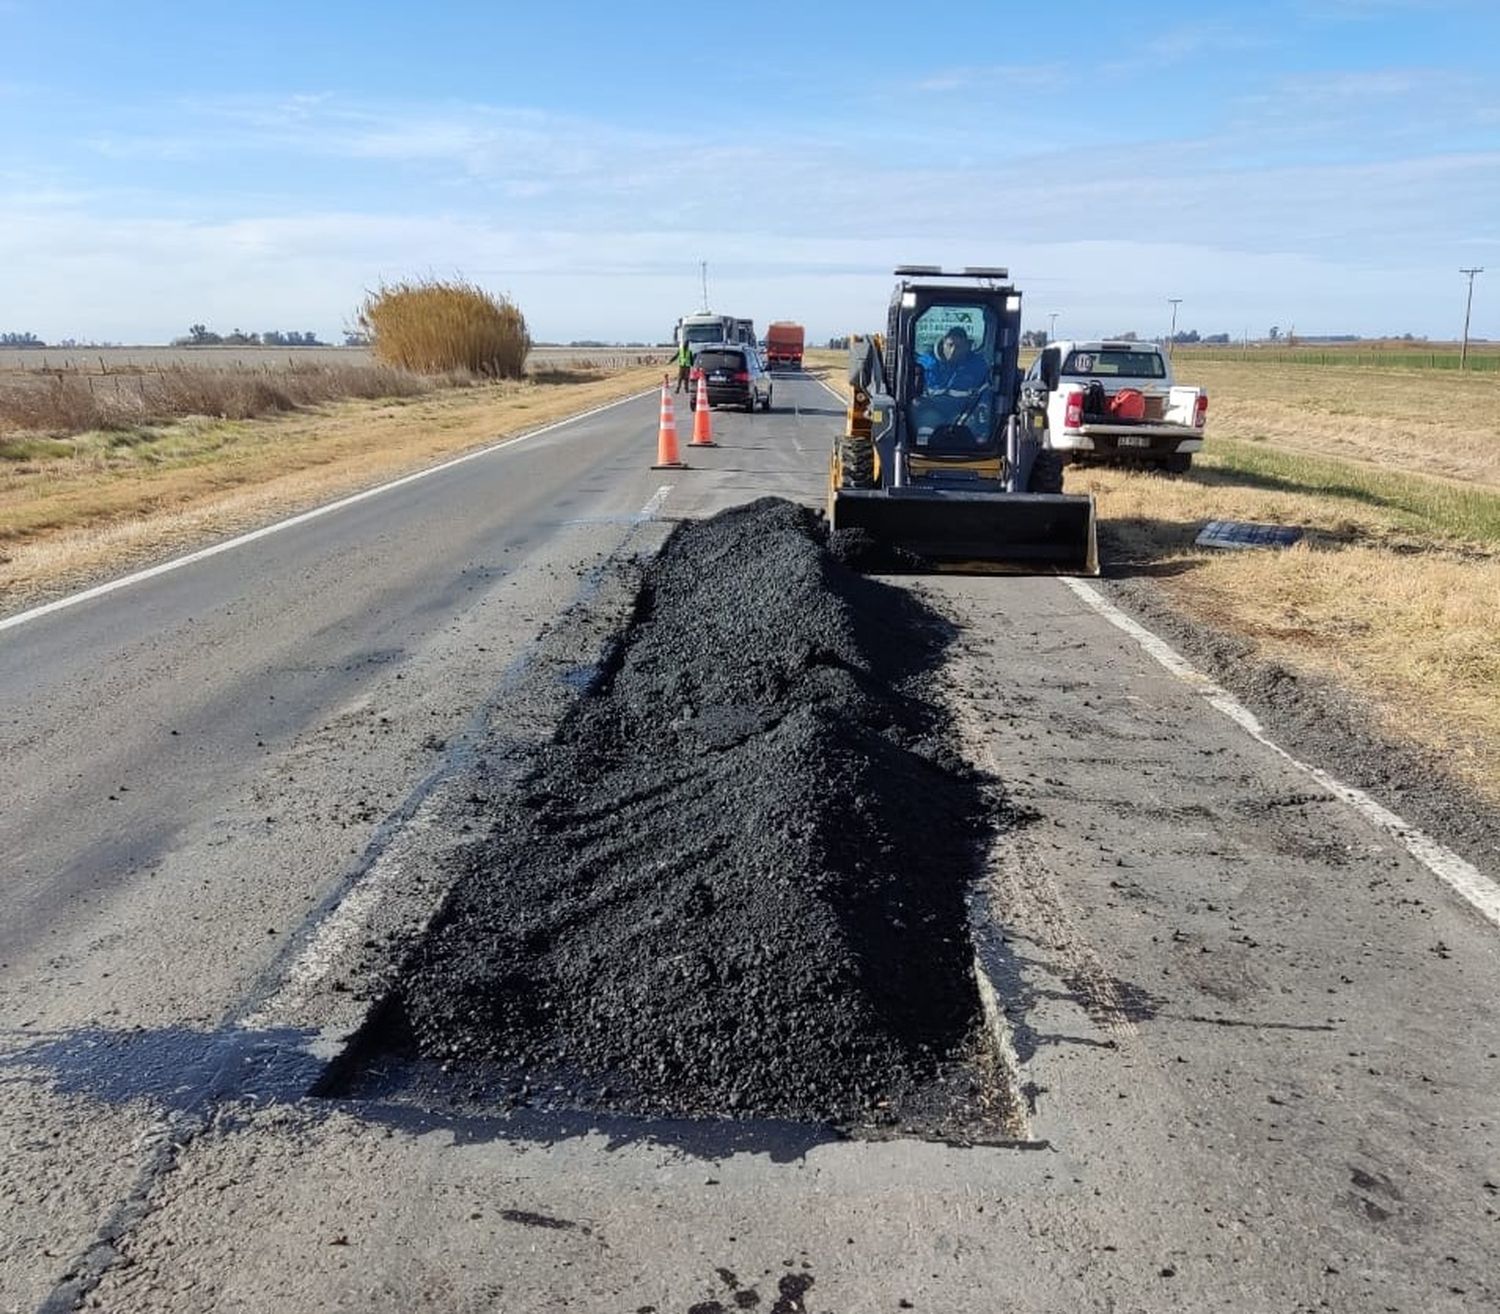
point(941, 455)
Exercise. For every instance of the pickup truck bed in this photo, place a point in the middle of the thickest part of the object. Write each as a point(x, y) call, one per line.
point(1170, 432)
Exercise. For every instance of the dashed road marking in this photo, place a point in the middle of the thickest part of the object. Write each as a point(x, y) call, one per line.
point(1462, 877)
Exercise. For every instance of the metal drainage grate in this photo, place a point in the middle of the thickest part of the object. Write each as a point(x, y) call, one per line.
point(1241, 534)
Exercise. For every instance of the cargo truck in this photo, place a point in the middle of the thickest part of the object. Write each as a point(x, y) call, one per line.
point(696, 330)
point(784, 345)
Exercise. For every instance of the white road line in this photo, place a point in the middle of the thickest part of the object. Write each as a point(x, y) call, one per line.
point(1462, 877)
point(331, 943)
point(655, 504)
point(351, 919)
point(99, 590)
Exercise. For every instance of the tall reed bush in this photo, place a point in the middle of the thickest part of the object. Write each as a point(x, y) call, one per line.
point(432, 325)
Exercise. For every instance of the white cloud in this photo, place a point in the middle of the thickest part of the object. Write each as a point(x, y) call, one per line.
point(1174, 45)
point(599, 228)
point(87, 275)
point(997, 77)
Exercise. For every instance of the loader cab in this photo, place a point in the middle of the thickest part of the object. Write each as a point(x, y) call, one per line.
point(952, 346)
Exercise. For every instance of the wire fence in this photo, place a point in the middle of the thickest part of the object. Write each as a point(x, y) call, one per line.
point(1485, 361)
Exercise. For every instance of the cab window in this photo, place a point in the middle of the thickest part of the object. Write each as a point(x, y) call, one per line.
point(935, 321)
point(1115, 363)
point(710, 359)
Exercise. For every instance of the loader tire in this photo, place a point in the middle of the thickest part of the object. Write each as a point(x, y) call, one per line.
point(1046, 473)
point(856, 463)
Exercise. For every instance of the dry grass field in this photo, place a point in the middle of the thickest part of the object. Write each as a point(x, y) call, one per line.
point(1395, 591)
point(125, 360)
point(1435, 422)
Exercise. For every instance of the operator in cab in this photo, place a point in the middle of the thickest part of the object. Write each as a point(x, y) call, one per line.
point(950, 408)
point(953, 366)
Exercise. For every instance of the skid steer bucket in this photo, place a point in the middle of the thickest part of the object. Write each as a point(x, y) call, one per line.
point(1041, 533)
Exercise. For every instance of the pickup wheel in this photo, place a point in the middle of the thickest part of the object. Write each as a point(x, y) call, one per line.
point(1046, 473)
point(1179, 463)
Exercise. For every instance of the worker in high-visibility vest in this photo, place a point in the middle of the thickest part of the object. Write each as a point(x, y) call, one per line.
point(684, 366)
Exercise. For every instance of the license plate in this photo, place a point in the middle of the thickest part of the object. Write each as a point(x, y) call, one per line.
point(1134, 440)
point(718, 376)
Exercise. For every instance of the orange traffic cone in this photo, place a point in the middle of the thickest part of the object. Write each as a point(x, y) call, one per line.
point(667, 457)
point(703, 434)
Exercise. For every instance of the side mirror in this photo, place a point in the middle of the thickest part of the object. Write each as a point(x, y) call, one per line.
point(1051, 369)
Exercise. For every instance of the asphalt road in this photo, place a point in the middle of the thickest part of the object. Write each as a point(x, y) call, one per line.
point(1253, 1036)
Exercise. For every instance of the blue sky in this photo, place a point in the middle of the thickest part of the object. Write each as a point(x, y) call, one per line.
point(1326, 165)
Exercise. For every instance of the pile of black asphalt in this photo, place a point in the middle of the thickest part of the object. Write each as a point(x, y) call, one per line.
point(733, 885)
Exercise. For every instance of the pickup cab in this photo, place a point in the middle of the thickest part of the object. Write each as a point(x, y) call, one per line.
point(1075, 384)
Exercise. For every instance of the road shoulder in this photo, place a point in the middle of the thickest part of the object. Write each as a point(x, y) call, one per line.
point(1327, 724)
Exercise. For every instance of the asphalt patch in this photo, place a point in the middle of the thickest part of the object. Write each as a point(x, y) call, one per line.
point(733, 885)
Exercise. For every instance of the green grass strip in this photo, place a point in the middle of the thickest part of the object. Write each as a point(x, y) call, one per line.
point(1480, 362)
point(1431, 506)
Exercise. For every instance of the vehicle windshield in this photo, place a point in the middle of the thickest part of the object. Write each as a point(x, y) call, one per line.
point(955, 412)
point(703, 332)
point(1115, 362)
point(709, 359)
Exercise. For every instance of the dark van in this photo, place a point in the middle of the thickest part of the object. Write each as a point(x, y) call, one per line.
point(734, 375)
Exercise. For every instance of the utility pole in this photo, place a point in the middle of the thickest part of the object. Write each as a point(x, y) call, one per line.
point(1051, 325)
point(1172, 337)
point(703, 268)
point(1463, 355)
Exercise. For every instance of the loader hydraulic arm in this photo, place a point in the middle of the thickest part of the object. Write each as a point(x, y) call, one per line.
point(866, 376)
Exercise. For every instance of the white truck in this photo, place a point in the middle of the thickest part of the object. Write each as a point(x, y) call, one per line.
point(705, 327)
point(1077, 384)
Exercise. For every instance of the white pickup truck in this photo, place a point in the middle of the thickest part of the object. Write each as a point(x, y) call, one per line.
point(1076, 382)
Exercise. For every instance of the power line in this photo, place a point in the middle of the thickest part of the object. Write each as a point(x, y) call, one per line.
point(1463, 354)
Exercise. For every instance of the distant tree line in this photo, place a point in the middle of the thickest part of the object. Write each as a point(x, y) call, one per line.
point(200, 335)
point(31, 340)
